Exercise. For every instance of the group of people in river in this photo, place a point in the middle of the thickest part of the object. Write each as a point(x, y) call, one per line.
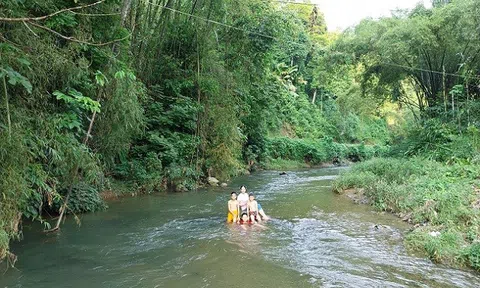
point(244, 208)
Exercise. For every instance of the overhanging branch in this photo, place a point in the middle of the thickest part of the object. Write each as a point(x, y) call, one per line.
point(73, 39)
point(29, 19)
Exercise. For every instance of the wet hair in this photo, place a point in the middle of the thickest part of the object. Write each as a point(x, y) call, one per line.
point(233, 193)
point(244, 214)
point(243, 186)
point(251, 194)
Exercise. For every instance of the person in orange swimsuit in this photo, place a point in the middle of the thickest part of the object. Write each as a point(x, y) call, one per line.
point(232, 216)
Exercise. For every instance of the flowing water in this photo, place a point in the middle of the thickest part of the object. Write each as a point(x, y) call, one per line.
point(316, 239)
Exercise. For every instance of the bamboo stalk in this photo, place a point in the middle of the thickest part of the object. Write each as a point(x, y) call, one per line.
point(74, 178)
point(7, 107)
point(444, 90)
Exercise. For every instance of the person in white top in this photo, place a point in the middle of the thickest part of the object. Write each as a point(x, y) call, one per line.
point(242, 199)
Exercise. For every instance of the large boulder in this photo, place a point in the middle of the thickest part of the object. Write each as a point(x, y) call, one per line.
point(212, 181)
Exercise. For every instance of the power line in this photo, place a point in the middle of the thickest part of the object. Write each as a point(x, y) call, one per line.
point(274, 38)
point(212, 21)
point(22, 19)
point(430, 71)
point(296, 3)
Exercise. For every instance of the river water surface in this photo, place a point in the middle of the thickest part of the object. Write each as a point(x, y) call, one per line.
point(316, 239)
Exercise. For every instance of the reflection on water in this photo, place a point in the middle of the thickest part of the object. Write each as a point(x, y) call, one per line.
point(316, 239)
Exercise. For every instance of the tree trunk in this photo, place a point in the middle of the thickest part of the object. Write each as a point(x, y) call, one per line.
point(89, 131)
point(74, 178)
point(64, 205)
point(199, 95)
point(7, 107)
point(125, 9)
point(445, 99)
point(468, 101)
point(123, 14)
point(321, 102)
point(453, 106)
point(314, 96)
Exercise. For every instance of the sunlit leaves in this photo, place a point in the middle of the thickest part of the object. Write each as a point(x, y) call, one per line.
point(121, 74)
point(100, 78)
point(77, 100)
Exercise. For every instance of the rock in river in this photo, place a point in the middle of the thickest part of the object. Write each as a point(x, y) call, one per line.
point(212, 181)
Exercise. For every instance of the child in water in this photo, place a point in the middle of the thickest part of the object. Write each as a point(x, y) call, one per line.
point(243, 199)
point(253, 209)
point(233, 209)
point(244, 219)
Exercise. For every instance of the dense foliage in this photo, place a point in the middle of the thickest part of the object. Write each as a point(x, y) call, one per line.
point(427, 61)
point(158, 94)
point(442, 201)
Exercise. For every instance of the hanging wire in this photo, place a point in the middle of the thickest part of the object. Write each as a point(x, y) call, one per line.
point(275, 38)
point(296, 3)
point(212, 21)
point(430, 71)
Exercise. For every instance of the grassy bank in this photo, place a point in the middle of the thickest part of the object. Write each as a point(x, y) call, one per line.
point(441, 201)
point(288, 153)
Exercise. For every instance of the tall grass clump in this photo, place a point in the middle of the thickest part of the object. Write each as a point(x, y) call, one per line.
point(315, 152)
point(442, 201)
point(13, 188)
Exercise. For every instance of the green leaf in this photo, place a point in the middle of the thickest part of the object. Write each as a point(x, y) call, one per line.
point(75, 93)
point(132, 76)
point(14, 78)
point(24, 61)
point(100, 78)
point(4, 47)
point(120, 74)
point(64, 97)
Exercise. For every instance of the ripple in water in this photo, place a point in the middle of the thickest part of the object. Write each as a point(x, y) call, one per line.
point(343, 252)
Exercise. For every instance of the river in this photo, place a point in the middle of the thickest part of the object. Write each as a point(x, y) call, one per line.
point(316, 239)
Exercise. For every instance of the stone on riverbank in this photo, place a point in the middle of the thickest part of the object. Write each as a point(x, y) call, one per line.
point(212, 181)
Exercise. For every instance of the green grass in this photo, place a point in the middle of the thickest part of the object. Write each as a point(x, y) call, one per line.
point(432, 196)
point(282, 164)
point(4, 240)
point(315, 152)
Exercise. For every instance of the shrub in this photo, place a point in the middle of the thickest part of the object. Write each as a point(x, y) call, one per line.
point(440, 141)
point(353, 180)
point(3, 243)
point(319, 151)
point(443, 248)
point(84, 198)
point(474, 256)
point(439, 197)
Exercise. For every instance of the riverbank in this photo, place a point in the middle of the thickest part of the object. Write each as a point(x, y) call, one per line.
point(442, 202)
point(283, 153)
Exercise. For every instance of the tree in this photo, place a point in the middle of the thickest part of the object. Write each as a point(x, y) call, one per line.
point(431, 49)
